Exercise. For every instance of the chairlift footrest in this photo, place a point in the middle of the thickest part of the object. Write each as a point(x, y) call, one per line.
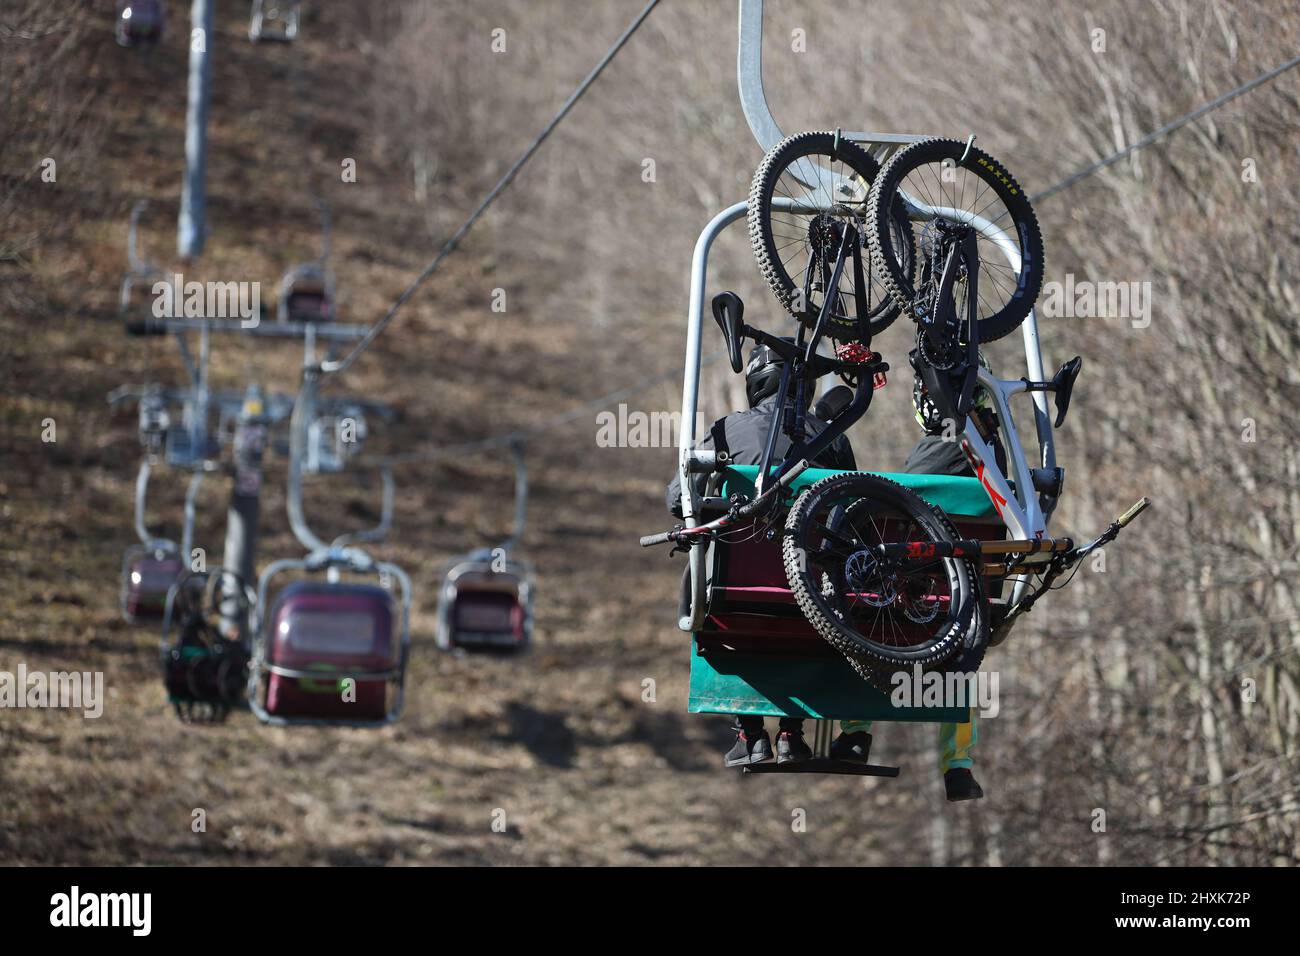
point(823, 765)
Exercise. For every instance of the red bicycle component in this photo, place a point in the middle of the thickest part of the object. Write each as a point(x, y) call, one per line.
point(858, 354)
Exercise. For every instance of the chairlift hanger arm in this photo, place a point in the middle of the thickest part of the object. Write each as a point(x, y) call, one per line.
point(521, 495)
point(753, 98)
point(140, 264)
point(304, 411)
point(379, 531)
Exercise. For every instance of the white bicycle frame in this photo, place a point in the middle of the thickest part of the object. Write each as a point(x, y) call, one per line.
point(1020, 508)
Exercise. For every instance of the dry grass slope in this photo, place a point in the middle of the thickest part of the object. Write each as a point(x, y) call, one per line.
point(1129, 700)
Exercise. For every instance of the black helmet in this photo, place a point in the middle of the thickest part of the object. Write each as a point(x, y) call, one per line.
point(762, 373)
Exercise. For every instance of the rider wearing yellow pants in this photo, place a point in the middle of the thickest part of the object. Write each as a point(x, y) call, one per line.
point(955, 742)
point(937, 453)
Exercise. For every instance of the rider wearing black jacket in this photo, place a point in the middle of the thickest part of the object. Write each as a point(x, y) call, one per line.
point(743, 436)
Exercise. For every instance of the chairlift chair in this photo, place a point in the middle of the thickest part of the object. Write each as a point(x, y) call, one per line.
point(486, 599)
point(306, 295)
point(205, 669)
point(325, 650)
point(486, 603)
point(140, 22)
point(328, 651)
point(307, 290)
point(753, 651)
point(275, 22)
point(150, 568)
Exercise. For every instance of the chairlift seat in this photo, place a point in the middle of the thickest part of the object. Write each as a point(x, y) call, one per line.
point(148, 575)
point(957, 495)
point(485, 608)
point(342, 631)
point(758, 654)
point(274, 22)
point(308, 305)
point(139, 21)
point(306, 295)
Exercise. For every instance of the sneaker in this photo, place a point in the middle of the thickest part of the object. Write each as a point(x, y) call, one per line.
point(855, 746)
point(791, 747)
point(961, 785)
point(747, 750)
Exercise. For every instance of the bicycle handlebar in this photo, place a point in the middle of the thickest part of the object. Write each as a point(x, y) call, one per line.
point(1133, 512)
point(744, 511)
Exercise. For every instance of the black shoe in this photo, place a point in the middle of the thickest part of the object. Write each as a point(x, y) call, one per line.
point(748, 750)
point(791, 747)
point(961, 785)
point(855, 746)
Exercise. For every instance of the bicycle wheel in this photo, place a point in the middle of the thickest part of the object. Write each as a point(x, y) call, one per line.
point(976, 188)
point(796, 248)
point(881, 614)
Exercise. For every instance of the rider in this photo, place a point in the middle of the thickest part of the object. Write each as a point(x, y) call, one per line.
point(743, 436)
point(939, 453)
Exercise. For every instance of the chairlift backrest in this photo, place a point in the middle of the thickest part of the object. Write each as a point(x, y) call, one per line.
point(749, 602)
point(485, 603)
point(329, 651)
point(306, 295)
point(147, 575)
point(140, 21)
point(335, 623)
point(341, 631)
point(275, 21)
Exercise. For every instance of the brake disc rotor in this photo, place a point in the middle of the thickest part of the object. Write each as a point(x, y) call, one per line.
point(863, 571)
point(920, 608)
